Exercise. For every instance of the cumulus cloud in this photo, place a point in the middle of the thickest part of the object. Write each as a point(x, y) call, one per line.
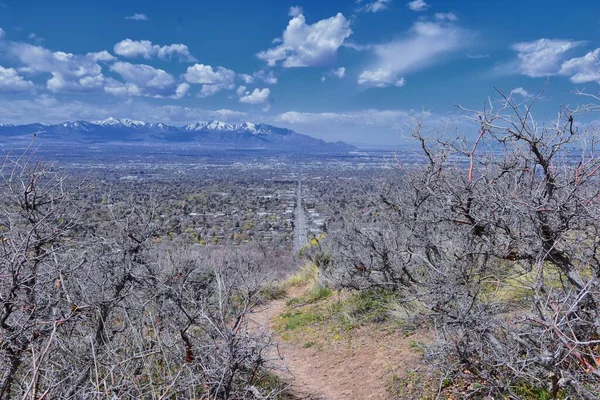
point(304, 45)
point(295, 11)
point(340, 72)
point(212, 80)
point(145, 49)
point(205, 74)
point(134, 48)
point(181, 90)
point(375, 6)
point(543, 57)
point(258, 96)
point(249, 79)
point(418, 5)
point(144, 80)
point(241, 90)
point(10, 81)
point(424, 44)
point(267, 77)
point(445, 17)
point(70, 72)
point(210, 90)
point(380, 78)
point(138, 17)
point(103, 56)
point(583, 69)
point(521, 92)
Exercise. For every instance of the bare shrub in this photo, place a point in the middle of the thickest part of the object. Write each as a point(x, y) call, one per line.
point(107, 310)
point(497, 237)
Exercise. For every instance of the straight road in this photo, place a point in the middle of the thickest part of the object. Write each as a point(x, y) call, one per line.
point(300, 228)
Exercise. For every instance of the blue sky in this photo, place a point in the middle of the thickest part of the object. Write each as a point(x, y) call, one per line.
point(338, 70)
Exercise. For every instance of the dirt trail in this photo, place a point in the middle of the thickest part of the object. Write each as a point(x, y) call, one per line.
point(357, 368)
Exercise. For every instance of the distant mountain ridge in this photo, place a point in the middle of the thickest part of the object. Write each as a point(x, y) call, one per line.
point(216, 134)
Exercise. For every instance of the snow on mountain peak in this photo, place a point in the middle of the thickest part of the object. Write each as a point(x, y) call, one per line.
point(219, 126)
point(248, 126)
point(214, 126)
point(110, 121)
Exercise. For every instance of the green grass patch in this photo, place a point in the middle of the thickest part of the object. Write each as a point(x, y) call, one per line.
point(308, 274)
point(528, 392)
point(293, 320)
point(517, 285)
point(314, 294)
point(372, 305)
point(273, 291)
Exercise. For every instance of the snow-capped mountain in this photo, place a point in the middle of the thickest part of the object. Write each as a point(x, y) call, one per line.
point(249, 127)
point(120, 122)
point(216, 134)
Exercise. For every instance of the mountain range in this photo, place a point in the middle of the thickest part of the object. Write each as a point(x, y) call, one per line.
point(210, 134)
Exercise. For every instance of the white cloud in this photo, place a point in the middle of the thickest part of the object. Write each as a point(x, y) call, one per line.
point(181, 90)
point(542, 57)
point(477, 56)
point(103, 55)
point(375, 6)
point(295, 11)
point(446, 17)
point(179, 50)
point(70, 72)
point(258, 96)
point(267, 77)
point(10, 81)
point(380, 78)
point(424, 44)
point(144, 80)
point(249, 79)
point(38, 40)
point(212, 80)
point(305, 45)
point(138, 17)
point(210, 90)
point(583, 69)
point(2, 33)
point(241, 90)
point(340, 72)
point(418, 5)
point(62, 83)
point(521, 92)
point(145, 49)
point(134, 48)
point(206, 75)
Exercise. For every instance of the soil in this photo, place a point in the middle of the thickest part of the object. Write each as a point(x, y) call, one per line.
point(358, 367)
